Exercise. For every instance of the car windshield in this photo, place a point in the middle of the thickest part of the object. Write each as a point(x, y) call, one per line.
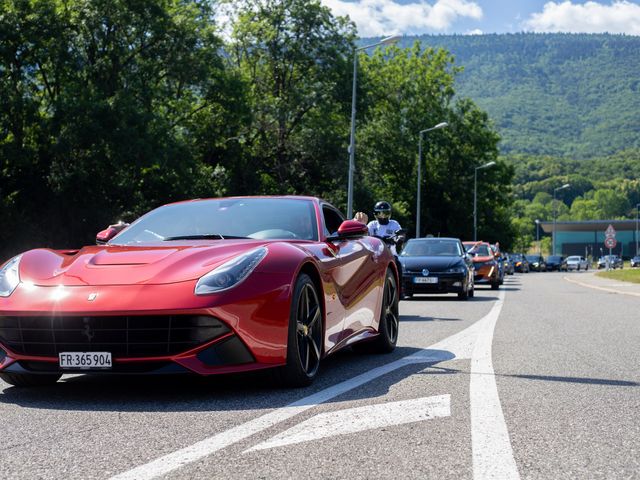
point(554, 258)
point(516, 257)
point(573, 259)
point(533, 258)
point(266, 218)
point(438, 248)
point(478, 251)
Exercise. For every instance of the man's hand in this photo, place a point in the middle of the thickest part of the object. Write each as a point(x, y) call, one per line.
point(361, 217)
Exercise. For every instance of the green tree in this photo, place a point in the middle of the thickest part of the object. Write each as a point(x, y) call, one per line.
point(406, 91)
point(294, 56)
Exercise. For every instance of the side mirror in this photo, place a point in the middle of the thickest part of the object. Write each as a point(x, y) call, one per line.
point(350, 229)
point(111, 231)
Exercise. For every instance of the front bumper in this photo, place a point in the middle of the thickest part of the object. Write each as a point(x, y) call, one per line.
point(242, 329)
point(442, 283)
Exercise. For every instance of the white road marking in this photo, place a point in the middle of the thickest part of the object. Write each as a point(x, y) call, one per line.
point(492, 452)
point(439, 352)
point(359, 419)
point(604, 289)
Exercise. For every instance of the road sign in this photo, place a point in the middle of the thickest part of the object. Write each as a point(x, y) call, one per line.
point(610, 242)
point(610, 232)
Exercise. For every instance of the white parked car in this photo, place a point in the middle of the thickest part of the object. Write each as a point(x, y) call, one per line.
point(575, 262)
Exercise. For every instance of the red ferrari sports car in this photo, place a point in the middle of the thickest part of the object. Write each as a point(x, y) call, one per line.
point(203, 286)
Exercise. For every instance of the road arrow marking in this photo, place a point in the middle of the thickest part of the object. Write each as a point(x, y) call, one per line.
point(352, 420)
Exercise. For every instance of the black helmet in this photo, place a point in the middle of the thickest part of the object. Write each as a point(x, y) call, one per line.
point(382, 211)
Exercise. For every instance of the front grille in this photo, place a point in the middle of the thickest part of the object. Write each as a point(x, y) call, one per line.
point(123, 336)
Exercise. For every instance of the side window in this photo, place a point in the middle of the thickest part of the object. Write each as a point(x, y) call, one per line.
point(332, 220)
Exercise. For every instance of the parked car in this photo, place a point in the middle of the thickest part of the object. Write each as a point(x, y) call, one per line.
point(556, 262)
point(614, 261)
point(520, 263)
point(536, 263)
point(508, 264)
point(436, 265)
point(203, 287)
point(484, 263)
point(576, 262)
point(635, 261)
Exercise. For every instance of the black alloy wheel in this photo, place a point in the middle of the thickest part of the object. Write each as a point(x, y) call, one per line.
point(389, 323)
point(304, 345)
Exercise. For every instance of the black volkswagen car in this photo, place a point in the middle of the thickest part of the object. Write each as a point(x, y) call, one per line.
point(556, 262)
point(436, 265)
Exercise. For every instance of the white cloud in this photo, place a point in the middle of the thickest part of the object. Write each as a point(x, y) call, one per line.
point(476, 31)
point(621, 16)
point(385, 17)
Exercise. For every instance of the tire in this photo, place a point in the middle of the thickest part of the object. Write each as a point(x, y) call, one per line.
point(495, 286)
point(472, 292)
point(29, 380)
point(464, 295)
point(389, 322)
point(304, 340)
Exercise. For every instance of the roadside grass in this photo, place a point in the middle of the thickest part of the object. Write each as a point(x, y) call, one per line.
point(625, 275)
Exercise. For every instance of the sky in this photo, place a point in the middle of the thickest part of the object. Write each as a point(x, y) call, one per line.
point(417, 17)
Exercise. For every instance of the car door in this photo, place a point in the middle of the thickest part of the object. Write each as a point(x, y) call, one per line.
point(351, 279)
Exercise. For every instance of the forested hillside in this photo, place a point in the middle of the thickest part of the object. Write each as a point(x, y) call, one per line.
point(572, 95)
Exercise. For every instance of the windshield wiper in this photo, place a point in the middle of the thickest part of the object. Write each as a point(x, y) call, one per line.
point(206, 236)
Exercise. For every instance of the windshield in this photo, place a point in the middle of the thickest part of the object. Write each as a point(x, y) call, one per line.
point(573, 259)
point(554, 258)
point(437, 248)
point(533, 258)
point(267, 218)
point(517, 257)
point(479, 251)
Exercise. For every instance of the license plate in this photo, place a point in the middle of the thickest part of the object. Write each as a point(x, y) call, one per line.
point(85, 360)
point(425, 280)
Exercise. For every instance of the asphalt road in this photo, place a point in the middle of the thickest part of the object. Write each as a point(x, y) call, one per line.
point(537, 380)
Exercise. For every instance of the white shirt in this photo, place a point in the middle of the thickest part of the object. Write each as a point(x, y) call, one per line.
point(387, 230)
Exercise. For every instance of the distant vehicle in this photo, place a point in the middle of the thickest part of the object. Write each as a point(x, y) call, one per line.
point(556, 262)
point(635, 261)
point(484, 263)
point(614, 262)
point(576, 262)
point(436, 265)
point(520, 263)
point(536, 263)
point(508, 264)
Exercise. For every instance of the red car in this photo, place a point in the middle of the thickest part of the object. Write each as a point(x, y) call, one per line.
point(203, 286)
point(484, 263)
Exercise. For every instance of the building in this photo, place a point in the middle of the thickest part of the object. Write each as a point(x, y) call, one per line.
point(586, 238)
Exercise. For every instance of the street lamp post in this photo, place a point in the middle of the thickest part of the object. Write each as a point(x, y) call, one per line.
point(637, 207)
point(538, 236)
point(475, 198)
point(553, 235)
point(352, 142)
point(422, 132)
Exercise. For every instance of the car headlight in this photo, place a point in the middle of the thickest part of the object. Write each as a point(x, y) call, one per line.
point(458, 269)
point(230, 273)
point(9, 276)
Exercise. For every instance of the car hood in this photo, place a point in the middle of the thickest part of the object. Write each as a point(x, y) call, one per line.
point(128, 265)
point(431, 263)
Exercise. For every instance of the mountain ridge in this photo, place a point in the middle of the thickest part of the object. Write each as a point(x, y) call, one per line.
point(560, 94)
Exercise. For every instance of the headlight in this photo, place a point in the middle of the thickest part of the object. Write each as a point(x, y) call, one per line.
point(458, 269)
point(230, 273)
point(9, 277)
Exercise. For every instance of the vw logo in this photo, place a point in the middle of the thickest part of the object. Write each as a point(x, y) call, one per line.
point(425, 272)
